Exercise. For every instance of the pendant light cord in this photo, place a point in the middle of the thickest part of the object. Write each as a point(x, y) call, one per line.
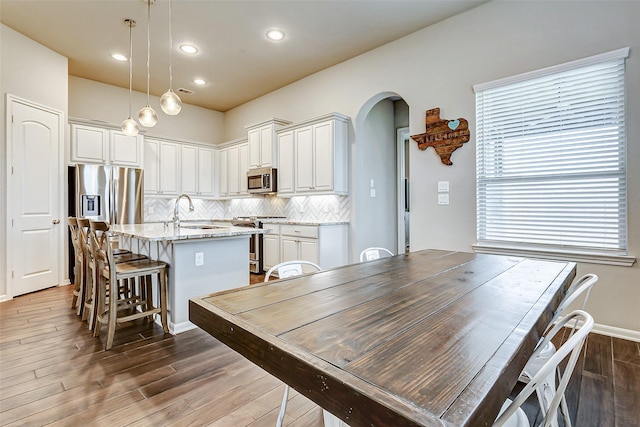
point(148, 45)
point(170, 48)
point(130, 63)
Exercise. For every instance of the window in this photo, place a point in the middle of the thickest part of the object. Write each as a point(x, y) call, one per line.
point(551, 164)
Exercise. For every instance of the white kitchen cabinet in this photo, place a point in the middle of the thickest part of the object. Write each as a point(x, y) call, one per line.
point(223, 173)
point(101, 145)
point(263, 143)
point(313, 157)
point(234, 163)
point(161, 167)
point(125, 150)
point(271, 246)
point(89, 144)
point(243, 167)
point(325, 244)
point(197, 170)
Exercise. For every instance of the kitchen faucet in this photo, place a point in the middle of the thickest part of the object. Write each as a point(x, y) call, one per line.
point(176, 217)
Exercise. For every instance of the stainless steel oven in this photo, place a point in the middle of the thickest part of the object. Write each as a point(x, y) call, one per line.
point(255, 241)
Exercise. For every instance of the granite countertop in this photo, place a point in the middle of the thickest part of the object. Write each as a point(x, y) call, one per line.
point(188, 231)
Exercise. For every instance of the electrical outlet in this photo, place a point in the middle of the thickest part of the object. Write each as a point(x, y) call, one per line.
point(443, 186)
point(199, 259)
point(373, 192)
point(443, 199)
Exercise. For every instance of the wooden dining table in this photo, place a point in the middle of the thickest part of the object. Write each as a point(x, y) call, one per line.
point(429, 338)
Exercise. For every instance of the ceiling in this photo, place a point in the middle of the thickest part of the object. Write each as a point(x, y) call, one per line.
point(235, 58)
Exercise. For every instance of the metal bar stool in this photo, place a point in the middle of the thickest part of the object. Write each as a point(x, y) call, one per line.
point(112, 306)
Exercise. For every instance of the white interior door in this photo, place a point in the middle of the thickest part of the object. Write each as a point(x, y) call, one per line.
point(35, 226)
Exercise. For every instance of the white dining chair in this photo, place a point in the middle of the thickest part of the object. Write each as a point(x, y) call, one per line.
point(545, 350)
point(288, 269)
point(374, 253)
point(511, 413)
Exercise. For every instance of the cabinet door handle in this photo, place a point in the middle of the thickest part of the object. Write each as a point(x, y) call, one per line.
point(56, 221)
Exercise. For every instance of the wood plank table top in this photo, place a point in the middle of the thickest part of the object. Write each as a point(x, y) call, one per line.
point(431, 338)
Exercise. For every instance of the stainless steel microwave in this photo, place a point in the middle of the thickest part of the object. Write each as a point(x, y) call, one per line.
point(263, 180)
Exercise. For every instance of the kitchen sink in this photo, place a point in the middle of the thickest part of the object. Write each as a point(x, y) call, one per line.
point(202, 226)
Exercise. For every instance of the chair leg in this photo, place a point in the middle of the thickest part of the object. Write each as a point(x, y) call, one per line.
point(81, 289)
point(162, 282)
point(99, 303)
point(283, 406)
point(74, 300)
point(112, 315)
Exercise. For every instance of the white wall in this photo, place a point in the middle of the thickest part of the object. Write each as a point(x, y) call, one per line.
point(33, 72)
point(98, 101)
point(375, 159)
point(437, 67)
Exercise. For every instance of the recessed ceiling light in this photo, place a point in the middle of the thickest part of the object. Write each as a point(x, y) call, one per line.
point(275, 35)
point(187, 48)
point(119, 57)
point(200, 82)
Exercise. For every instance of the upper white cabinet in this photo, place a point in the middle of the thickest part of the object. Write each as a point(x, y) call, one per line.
point(313, 156)
point(197, 168)
point(89, 144)
point(101, 145)
point(263, 145)
point(125, 150)
point(234, 163)
point(161, 167)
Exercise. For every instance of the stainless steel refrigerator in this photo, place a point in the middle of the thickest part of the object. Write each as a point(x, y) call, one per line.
point(109, 193)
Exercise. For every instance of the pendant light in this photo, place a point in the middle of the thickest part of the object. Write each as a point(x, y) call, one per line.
point(170, 102)
point(129, 126)
point(147, 116)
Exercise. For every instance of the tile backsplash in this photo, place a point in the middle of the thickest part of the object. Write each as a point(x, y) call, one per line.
point(300, 208)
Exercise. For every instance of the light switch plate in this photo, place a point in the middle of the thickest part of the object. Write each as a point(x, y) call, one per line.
point(443, 186)
point(373, 192)
point(199, 259)
point(443, 199)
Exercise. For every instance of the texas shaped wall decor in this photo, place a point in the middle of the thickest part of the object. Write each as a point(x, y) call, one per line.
point(445, 136)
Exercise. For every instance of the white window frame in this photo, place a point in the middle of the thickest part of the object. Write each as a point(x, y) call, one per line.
point(488, 242)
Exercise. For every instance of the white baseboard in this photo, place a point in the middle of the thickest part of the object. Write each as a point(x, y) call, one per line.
point(612, 331)
point(5, 297)
point(177, 328)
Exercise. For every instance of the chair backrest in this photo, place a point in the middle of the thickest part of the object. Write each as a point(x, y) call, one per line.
point(290, 269)
point(83, 236)
point(100, 244)
point(372, 253)
point(571, 348)
point(577, 288)
point(75, 235)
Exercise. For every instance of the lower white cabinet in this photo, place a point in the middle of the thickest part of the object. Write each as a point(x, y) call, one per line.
point(324, 244)
point(270, 246)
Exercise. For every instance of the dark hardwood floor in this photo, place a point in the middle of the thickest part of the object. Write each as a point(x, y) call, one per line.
point(53, 372)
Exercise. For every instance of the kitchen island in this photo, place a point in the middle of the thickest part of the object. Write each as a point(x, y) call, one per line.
point(202, 258)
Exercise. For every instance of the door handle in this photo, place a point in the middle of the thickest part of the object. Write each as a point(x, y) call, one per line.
point(56, 221)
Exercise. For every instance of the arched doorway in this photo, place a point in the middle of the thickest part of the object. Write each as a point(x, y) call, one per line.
point(379, 171)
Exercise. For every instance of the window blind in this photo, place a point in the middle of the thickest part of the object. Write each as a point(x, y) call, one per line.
point(551, 160)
